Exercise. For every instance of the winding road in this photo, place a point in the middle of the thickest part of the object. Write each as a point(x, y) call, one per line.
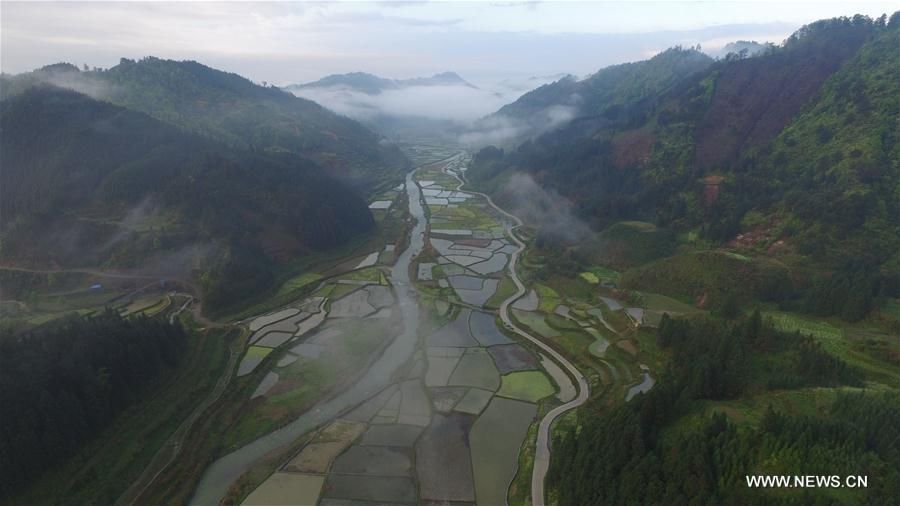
point(542, 447)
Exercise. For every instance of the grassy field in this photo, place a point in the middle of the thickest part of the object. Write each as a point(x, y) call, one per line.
point(529, 386)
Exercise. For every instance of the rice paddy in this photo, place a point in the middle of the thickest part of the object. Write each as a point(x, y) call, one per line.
point(449, 425)
point(286, 489)
point(535, 322)
point(265, 385)
point(484, 329)
point(567, 390)
point(512, 357)
point(254, 355)
point(495, 440)
point(476, 369)
point(274, 339)
point(374, 460)
point(381, 489)
point(262, 321)
point(391, 435)
point(318, 454)
point(529, 386)
point(443, 462)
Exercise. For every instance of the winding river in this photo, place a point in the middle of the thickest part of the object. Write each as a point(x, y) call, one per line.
point(224, 471)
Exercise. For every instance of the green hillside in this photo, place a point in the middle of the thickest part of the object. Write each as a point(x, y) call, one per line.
point(88, 183)
point(236, 111)
point(797, 144)
point(604, 98)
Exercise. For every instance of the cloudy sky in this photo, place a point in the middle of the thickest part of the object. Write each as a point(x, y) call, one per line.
point(285, 43)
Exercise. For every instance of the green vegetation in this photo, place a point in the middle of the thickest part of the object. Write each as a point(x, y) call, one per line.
point(530, 386)
point(609, 92)
point(548, 297)
point(626, 244)
point(590, 277)
point(504, 291)
point(659, 302)
point(307, 380)
point(110, 462)
point(787, 322)
point(298, 282)
point(711, 275)
point(808, 177)
point(694, 436)
point(64, 384)
point(237, 212)
point(236, 112)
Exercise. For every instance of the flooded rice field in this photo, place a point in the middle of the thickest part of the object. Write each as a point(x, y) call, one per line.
point(405, 407)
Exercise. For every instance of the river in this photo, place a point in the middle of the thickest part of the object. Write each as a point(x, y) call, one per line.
point(224, 471)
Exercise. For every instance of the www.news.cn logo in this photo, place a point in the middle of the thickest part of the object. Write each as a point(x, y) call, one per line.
point(833, 481)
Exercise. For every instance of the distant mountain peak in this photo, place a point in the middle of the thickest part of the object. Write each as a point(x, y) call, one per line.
point(373, 85)
point(59, 67)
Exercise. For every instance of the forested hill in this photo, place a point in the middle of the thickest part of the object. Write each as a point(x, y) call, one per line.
point(799, 142)
point(234, 110)
point(373, 85)
point(62, 385)
point(602, 95)
point(86, 182)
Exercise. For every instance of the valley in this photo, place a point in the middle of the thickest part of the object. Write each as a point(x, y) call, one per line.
point(408, 361)
point(646, 285)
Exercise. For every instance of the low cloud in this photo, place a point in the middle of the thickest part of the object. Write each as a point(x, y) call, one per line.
point(544, 209)
point(74, 80)
point(502, 130)
point(468, 109)
point(461, 104)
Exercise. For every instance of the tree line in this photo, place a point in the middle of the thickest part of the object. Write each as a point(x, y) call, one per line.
point(640, 453)
point(60, 386)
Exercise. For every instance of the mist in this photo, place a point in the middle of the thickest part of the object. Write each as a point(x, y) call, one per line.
point(544, 209)
point(76, 81)
point(503, 131)
point(460, 104)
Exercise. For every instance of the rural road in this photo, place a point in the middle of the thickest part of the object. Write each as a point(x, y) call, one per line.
point(542, 447)
point(94, 272)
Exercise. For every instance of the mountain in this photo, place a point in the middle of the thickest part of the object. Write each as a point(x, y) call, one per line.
point(90, 183)
point(373, 85)
point(236, 111)
point(745, 48)
point(601, 95)
point(796, 145)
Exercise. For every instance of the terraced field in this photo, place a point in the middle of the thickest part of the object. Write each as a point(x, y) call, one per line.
point(443, 421)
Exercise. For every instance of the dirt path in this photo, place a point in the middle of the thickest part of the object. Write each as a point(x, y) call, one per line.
point(542, 448)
